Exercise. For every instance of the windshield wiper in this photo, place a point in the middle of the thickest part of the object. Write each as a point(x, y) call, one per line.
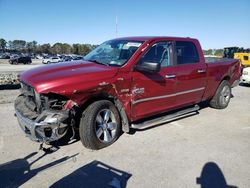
point(97, 62)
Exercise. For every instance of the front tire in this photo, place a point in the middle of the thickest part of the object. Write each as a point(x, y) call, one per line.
point(100, 125)
point(222, 96)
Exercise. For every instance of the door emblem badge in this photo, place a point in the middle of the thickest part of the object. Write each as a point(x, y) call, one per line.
point(138, 90)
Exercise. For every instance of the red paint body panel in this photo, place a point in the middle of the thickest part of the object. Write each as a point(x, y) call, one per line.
point(154, 85)
point(68, 78)
point(141, 94)
point(217, 71)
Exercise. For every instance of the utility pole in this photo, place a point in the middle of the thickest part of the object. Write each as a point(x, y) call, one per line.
point(116, 19)
point(116, 25)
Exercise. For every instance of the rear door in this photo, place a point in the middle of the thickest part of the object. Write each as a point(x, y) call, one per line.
point(154, 93)
point(190, 74)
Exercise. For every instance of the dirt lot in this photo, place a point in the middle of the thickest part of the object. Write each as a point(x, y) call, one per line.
point(213, 146)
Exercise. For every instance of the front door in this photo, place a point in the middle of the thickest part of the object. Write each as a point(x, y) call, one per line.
point(153, 93)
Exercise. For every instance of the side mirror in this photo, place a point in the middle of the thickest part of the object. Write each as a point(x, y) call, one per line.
point(151, 67)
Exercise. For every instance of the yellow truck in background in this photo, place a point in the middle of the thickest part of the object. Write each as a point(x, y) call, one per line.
point(238, 53)
point(244, 58)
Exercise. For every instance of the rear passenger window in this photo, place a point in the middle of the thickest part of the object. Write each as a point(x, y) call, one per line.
point(245, 58)
point(186, 53)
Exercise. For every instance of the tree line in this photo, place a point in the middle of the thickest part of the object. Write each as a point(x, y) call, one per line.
point(62, 48)
point(23, 46)
point(216, 52)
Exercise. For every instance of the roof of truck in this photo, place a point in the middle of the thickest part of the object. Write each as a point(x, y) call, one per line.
point(145, 38)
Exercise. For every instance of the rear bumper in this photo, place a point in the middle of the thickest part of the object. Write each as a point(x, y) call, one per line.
point(48, 127)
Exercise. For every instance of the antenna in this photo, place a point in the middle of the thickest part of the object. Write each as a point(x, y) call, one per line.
point(116, 25)
point(116, 20)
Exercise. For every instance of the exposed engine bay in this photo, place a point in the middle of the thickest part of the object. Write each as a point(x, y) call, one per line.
point(43, 118)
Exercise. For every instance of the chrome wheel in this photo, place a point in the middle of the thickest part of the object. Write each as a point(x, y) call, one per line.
point(106, 126)
point(225, 95)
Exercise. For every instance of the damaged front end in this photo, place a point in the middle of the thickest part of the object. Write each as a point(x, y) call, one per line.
point(43, 118)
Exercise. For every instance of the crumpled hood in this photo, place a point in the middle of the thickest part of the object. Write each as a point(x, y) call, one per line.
point(66, 75)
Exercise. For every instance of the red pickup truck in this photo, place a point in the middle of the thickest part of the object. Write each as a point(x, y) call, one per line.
point(124, 83)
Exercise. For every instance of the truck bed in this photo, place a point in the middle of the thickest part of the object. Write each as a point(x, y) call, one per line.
point(217, 60)
point(218, 69)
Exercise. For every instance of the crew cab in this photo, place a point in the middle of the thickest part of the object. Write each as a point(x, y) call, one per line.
point(124, 83)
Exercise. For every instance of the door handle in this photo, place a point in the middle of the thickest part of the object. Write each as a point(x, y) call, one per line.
point(170, 76)
point(201, 70)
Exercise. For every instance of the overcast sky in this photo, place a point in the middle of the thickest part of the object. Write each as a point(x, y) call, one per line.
point(216, 23)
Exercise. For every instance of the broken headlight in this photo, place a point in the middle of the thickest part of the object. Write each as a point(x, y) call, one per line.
point(50, 101)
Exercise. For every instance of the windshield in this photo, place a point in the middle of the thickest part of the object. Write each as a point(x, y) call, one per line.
point(113, 52)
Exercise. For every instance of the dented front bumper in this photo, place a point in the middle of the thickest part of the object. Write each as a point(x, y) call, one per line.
point(47, 127)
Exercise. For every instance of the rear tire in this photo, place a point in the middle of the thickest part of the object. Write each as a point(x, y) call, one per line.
point(222, 96)
point(100, 125)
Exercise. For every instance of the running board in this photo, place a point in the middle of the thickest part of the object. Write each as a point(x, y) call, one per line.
point(164, 119)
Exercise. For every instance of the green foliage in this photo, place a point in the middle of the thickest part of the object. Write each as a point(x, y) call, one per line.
point(57, 48)
point(216, 52)
point(82, 49)
point(210, 52)
point(19, 44)
point(10, 45)
point(44, 48)
point(3, 44)
point(219, 52)
point(64, 48)
point(29, 46)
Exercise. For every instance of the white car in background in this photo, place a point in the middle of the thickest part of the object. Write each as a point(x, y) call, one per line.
point(51, 60)
point(245, 78)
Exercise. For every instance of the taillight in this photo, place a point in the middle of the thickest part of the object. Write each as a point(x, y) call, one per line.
point(240, 68)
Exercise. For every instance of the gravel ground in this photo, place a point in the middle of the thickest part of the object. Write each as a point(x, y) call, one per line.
point(8, 96)
point(213, 146)
point(8, 73)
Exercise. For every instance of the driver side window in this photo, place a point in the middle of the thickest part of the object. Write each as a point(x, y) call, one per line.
point(158, 53)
